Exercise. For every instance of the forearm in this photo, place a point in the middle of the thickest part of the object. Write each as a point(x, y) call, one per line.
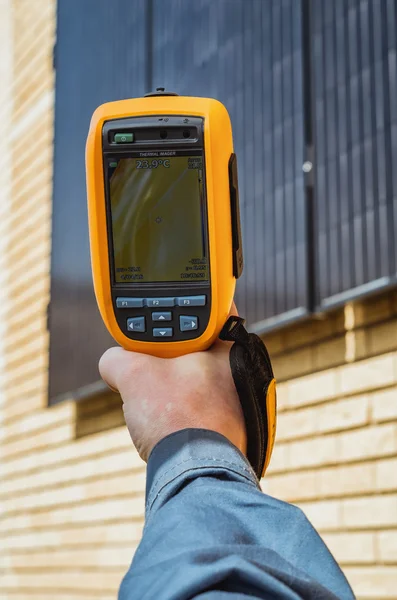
point(210, 528)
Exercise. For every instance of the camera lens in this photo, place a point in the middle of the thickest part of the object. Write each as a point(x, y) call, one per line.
point(186, 133)
point(163, 134)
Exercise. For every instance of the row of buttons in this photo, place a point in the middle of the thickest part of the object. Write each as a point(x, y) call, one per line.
point(160, 302)
point(186, 323)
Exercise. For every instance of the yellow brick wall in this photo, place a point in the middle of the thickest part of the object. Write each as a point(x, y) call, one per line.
point(336, 450)
point(71, 504)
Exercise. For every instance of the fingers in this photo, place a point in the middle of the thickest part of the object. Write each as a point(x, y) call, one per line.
point(116, 362)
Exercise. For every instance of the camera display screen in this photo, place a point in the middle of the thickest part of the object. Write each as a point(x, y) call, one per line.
point(158, 218)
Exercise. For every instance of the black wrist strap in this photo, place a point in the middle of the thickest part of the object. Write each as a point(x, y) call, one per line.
point(255, 384)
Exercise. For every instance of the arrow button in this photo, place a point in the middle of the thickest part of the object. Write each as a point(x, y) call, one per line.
point(162, 332)
point(188, 323)
point(162, 316)
point(136, 324)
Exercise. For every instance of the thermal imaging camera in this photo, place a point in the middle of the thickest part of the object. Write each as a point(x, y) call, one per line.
point(164, 221)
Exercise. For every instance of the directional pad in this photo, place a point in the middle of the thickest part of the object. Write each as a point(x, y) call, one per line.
point(188, 323)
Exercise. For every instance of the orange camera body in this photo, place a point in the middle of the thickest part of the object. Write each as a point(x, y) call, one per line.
point(164, 221)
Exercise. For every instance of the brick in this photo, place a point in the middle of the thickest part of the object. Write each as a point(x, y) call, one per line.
point(110, 419)
point(308, 333)
point(368, 442)
point(32, 168)
point(29, 353)
point(373, 310)
point(372, 582)
point(20, 286)
point(369, 512)
point(26, 155)
point(361, 344)
point(384, 404)
point(356, 345)
point(72, 493)
point(368, 374)
point(295, 424)
point(37, 295)
point(49, 595)
point(102, 444)
point(42, 439)
point(313, 452)
point(93, 558)
point(383, 337)
point(32, 231)
point(22, 335)
point(346, 480)
point(329, 354)
point(314, 388)
point(30, 94)
point(37, 306)
point(36, 358)
point(64, 580)
point(386, 542)
point(99, 511)
point(292, 487)
point(24, 203)
point(352, 547)
point(41, 420)
point(24, 81)
point(332, 416)
point(282, 396)
point(117, 462)
point(23, 406)
point(386, 475)
point(31, 376)
point(33, 389)
point(279, 460)
point(324, 514)
point(101, 404)
point(126, 533)
point(293, 364)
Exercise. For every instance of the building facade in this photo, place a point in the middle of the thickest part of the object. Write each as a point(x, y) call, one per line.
point(72, 486)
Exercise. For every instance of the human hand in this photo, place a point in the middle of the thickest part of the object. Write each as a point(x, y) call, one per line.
point(164, 395)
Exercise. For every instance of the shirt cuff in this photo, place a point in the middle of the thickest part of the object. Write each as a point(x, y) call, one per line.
point(191, 453)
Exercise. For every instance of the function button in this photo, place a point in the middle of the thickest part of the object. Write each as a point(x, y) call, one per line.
point(162, 332)
point(136, 324)
point(162, 316)
point(159, 302)
point(129, 302)
point(123, 138)
point(188, 323)
point(191, 301)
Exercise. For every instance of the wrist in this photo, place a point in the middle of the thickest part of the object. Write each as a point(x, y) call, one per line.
point(191, 453)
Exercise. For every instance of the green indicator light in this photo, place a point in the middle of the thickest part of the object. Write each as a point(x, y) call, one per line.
point(113, 165)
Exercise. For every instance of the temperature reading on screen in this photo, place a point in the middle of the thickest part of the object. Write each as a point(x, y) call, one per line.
point(158, 219)
point(153, 164)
